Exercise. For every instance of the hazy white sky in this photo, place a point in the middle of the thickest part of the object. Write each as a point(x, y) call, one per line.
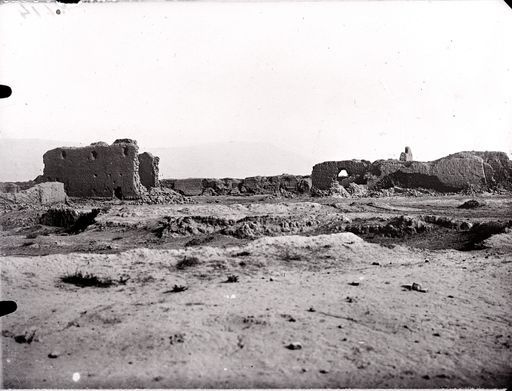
point(327, 80)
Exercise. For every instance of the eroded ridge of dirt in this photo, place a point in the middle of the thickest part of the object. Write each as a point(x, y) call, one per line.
point(311, 312)
point(426, 222)
point(259, 292)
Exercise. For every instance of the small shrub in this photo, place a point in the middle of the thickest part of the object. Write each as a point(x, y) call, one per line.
point(177, 288)
point(232, 278)
point(86, 280)
point(187, 262)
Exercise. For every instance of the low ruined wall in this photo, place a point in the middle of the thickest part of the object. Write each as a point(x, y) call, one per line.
point(188, 187)
point(98, 170)
point(41, 194)
point(497, 166)
point(221, 186)
point(233, 186)
point(448, 174)
point(14, 187)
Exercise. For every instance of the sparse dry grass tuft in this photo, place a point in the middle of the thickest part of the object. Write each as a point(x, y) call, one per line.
point(87, 280)
point(232, 278)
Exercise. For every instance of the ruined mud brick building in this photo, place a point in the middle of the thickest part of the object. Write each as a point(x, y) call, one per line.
point(102, 170)
point(459, 171)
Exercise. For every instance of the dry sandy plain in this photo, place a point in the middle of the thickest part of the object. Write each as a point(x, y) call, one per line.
point(308, 303)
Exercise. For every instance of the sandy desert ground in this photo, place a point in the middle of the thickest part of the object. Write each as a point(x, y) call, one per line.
point(262, 292)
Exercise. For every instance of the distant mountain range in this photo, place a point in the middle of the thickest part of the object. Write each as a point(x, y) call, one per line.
point(22, 159)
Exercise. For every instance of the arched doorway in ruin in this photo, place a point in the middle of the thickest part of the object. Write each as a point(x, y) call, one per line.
point(343, 177)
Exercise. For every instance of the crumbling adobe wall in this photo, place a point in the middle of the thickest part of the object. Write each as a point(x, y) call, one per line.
point(497, 166)
point(188, 187)
point(148, 170)
point(98, 170)
point(222, 186)
point(449, 174)
point(452, 173)
point(14, 187)
point(233, 186)
point(259, 185)
point(324, 174)
point(40, 194)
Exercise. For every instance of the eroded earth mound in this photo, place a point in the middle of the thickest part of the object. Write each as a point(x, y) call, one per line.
point(258, 291)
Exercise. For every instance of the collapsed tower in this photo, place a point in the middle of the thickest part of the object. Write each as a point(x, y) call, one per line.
point(406, 156)
point(102, 170)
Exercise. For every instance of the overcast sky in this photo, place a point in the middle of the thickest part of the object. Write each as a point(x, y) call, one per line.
point(326, 80)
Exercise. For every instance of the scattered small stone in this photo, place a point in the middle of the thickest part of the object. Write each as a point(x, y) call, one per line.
point(176, 338)
point(289, 318)
point(417, 287)
point(344, 339)
point(349, 299)
point(294, 346)
point(232, 279)
point(354, 283)
point(311, 309)
point(426, 377)
point(27, 337)
point(414, 287)
point(21, 339)
point(72, 323)
point(324, 371)
point(436, 335)
point(54, 354)
point(471, 204)
point(376, 263)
